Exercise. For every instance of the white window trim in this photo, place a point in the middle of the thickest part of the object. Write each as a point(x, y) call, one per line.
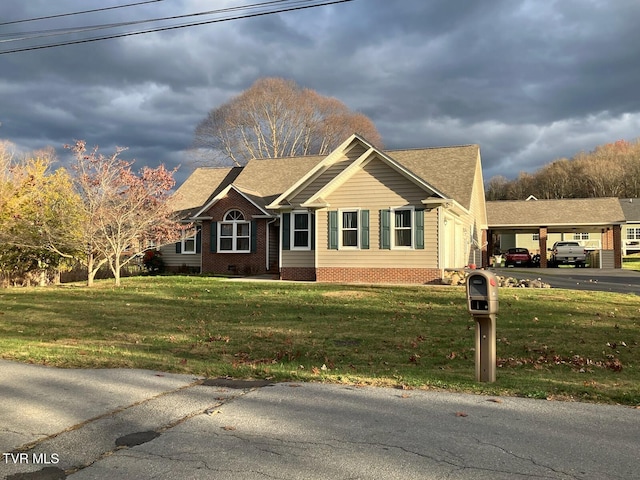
point(234, 236)
point(186, 236)
point(292, 245)
point(633, 233)
point(341, 228)
point(393, 228)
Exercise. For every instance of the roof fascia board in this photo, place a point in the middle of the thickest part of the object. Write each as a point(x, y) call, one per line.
point(342, 177)
point(223, 194)
point(316, 171)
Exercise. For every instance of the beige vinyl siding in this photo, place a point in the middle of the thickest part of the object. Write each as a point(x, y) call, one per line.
point(173, 259)
point(377, 187)
point(322, 179)
point(298, 258)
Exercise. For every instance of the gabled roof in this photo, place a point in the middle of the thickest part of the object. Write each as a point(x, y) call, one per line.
point(631, 209)
point(199, 187)
point(451, 170)
point(270, 177)
point(420, 166)
point(446, 174)
point(563, 212)
point(251, 197)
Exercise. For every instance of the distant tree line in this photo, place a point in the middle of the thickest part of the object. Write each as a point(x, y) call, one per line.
point(611, 170)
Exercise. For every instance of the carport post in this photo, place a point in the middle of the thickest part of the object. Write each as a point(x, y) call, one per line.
point(543, 246)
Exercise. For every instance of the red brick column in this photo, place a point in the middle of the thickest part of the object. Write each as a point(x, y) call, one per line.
point(617, 245)
point(487, 250)
point(543, 235)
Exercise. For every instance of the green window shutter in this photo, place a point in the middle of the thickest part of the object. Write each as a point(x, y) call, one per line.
point(179, 247)
point(254, 236)
point(364, 229)
point(199, 241)
point(333, 230)
point(312, 230)
point(213, 237)
point(286, 231)
point(385, 229)
point(419, 229)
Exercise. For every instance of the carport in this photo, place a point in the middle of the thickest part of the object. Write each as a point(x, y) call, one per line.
point(602, 216)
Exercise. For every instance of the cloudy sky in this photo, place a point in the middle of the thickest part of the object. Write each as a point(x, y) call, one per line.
point(528, 80)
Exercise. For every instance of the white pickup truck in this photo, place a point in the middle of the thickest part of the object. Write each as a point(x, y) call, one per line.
point(568, 253)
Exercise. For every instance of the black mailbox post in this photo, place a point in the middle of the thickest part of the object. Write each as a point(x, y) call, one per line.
point(482, 303)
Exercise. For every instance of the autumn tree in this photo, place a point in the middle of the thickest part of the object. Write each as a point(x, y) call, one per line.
point(277, 118)
point(125, 212)
point(610, 170)
point(38, 221)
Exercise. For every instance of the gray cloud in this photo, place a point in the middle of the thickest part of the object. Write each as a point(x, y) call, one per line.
point(529, 81)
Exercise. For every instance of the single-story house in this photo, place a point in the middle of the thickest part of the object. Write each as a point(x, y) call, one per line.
point(631, 230)
point(359, 214)
point(537, 224)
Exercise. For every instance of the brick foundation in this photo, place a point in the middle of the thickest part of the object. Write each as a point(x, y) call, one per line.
point(379, 275)
point(301, 274)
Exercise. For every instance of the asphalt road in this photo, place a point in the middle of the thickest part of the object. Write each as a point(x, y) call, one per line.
point(603, 280)
point(125, 424)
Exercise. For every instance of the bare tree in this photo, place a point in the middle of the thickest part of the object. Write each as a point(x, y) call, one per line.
point(125, 213)
point(276, 118)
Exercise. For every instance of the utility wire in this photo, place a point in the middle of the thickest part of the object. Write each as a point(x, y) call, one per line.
point(88, 28)
point(77, 13)
point(174, 27)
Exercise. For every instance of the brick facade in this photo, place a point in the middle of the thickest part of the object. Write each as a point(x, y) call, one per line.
point(234, 263)
point(300, 274)
point(379, 275)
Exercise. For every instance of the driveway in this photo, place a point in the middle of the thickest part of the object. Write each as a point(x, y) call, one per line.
point(124, 424)
point(603, 280)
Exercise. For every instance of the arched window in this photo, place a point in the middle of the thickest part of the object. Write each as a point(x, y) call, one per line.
point(234, 233)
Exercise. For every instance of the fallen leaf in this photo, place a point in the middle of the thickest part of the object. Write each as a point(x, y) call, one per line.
point(494, 400)
point(461, 414)
point(229, 428)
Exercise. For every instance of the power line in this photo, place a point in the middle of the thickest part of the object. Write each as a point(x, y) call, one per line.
point(64, 31)
point(174, 27)
point(77, 13)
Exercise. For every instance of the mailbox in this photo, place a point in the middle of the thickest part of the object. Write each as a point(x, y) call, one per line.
point(482, 293)
point(482, 301)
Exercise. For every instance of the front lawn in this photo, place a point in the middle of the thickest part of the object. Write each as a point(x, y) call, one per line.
point(551, 343)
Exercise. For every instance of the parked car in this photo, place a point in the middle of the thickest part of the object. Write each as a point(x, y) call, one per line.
point(568, 253)
point(517, 256)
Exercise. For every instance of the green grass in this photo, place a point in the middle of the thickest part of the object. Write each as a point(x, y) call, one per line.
point(631, 262)
point(551, 343)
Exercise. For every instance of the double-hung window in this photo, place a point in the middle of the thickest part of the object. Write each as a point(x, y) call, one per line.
point(402, 228)
point(349, 228)
point(234, 234)
point(189, 242)
point(300, 230)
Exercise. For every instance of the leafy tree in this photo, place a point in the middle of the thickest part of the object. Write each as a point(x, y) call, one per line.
point(125, 213)
point(277, 118)
point(38, 214)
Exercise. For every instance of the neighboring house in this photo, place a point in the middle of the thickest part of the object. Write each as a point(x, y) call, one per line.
point(538, 224)
point(531, 241)
point(358, 214)
point(631, 231)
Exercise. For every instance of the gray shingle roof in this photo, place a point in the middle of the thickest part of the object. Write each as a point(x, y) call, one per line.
point(200, 186)
point(631, 209)
point(575, 211)
point(451, 170)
